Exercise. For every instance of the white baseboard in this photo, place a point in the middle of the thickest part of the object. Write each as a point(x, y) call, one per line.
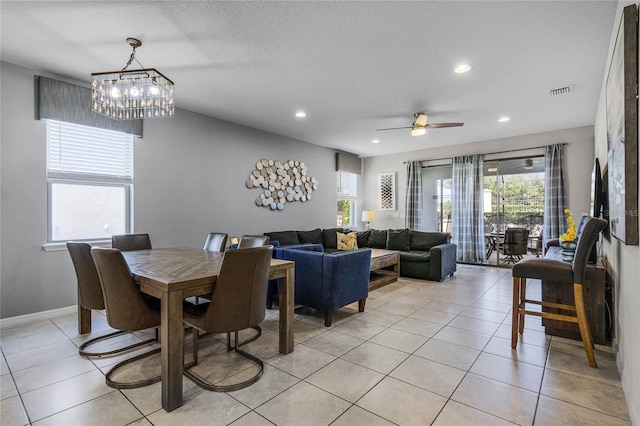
point(38, 316)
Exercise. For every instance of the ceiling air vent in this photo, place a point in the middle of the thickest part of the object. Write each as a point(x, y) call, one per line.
point(560, 91)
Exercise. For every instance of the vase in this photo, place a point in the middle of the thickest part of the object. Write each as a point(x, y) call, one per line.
point(568, 250)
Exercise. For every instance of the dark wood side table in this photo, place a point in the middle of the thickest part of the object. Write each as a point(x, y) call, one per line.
point(594, 289)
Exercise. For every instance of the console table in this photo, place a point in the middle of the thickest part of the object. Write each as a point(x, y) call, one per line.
point(594, 289)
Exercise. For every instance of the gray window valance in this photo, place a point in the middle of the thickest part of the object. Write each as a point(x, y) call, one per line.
point(346, 162)
point(57, 100)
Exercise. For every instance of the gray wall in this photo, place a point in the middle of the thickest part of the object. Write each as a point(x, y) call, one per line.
point(190, 174)
point(579, 152)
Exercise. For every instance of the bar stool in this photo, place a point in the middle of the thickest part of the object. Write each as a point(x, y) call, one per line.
point(569, 273)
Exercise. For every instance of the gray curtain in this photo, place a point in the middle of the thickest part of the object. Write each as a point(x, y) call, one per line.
point(413, 203)
point(467, 208)
point(554, 196)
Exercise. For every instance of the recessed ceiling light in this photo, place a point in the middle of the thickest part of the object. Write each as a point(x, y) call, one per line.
point(375, 141)
point(462, 68)
point(301, 114)
point(503, 119)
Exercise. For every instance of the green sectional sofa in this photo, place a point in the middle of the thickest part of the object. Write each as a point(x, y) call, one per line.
point(423, 255)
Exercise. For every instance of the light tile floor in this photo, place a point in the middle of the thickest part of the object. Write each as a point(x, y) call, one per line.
point(422, 353)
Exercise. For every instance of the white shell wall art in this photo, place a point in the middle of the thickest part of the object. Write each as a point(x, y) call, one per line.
point(281, 183)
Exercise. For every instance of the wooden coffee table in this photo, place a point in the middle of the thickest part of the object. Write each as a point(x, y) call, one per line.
point(381, 259)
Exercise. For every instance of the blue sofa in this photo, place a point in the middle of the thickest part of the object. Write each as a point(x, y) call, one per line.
point(328, 281)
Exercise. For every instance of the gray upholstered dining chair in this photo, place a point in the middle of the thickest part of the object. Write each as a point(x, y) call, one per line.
point(216, 241)
point(130, 242)
point(515, 244)
point(126, 307)
point(90, 296)
point(247, 241)
point(238, 302)
point(558, 271)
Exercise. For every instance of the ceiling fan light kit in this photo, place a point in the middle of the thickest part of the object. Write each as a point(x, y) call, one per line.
point(132, 94)
point(462, 68)
point(420, 125)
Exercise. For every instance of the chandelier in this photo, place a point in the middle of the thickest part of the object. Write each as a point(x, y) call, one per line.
point(132, 94)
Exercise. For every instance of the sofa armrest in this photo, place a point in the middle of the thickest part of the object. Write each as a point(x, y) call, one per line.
point(277, 251)
point(443, 261)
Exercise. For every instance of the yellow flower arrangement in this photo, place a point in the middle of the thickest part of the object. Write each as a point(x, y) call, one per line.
point(571, 233)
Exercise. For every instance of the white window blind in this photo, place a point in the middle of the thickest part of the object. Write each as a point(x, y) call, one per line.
point(88, 153)
point(347, 185)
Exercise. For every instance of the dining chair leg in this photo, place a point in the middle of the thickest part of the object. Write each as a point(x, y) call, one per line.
point(200, 381)
point(583, 324)
point(109, 380)
point(523, 298)
point(514, 312)
point(254, 337)
point(82, 349)
point(195, 344)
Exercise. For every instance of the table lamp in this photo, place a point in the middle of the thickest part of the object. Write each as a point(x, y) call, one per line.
point(367, 217)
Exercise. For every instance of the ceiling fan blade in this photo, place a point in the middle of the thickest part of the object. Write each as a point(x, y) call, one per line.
point(437, 125)
point(393, 128)
point(421, 119)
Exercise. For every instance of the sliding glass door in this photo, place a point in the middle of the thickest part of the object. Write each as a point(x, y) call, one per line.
point(514, 197)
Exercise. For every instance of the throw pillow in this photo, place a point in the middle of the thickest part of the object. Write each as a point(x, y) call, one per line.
point(347, 241)
point(363, 237)
point(423, 241)
point(314, 236)
point(398, 239)
point(329, 238)
point(285, 238)
point(377, 239)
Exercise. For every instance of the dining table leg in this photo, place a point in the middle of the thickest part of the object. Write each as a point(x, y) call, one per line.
point(172, 342)
point(287, 286)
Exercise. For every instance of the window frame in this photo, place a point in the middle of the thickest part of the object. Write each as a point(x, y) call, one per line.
point(128, 187)
point(352, 198)
point(82, 178)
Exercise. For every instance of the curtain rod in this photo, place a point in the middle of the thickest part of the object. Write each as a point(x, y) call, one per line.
point(489, 153)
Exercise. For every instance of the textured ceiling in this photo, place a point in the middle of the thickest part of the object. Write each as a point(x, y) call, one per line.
point(353, 67)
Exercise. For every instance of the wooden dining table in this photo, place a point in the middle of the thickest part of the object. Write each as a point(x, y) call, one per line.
point(173, 274)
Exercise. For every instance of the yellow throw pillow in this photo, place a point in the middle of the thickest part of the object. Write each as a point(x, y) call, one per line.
point(348, 241)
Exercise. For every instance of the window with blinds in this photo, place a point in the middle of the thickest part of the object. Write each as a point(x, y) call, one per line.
point(347, 192)
point(90, 179)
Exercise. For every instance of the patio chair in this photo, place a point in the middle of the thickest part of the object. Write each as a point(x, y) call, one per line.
point(514, 245)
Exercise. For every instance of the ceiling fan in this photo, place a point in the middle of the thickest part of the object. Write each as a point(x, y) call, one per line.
point(420, 126)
